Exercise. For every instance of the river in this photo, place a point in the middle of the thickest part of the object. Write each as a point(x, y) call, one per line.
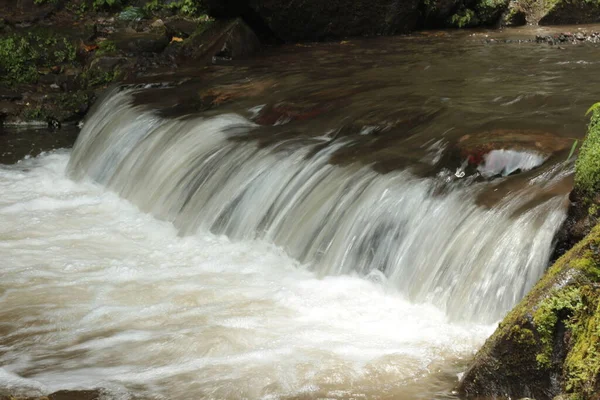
point(332, 220)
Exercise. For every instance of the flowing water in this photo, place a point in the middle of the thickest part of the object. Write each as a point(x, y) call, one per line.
point(324, 221)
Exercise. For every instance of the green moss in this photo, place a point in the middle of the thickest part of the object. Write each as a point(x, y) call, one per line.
point(587, 167)
point(22, 54)
point(582, 365)
point(488, 11)
point(463, 18)
point(106, 47)
point(107, 4)
point(568, 295)
point(34, 114)
point(73, 101)
point(185, 7)
point(522, 336)
point(95, 77)
point(566, 301)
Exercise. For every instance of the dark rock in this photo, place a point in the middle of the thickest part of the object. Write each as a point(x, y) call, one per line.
point(317, 19)
point(75, 395)
point(226, 8)
point(8, 109)
point(7, 94)
point(25, 12)
point(181, 27)
point(548, 344)
point(437, 12)
point(231, 39)
point(571, 12)
point(108, 63)
point(569, 38)
point(140, 43)
point(514, 16)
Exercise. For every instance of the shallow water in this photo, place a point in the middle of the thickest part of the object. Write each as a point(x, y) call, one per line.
point(210, 248)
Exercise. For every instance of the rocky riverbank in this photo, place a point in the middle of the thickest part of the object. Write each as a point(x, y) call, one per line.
point(56, 57)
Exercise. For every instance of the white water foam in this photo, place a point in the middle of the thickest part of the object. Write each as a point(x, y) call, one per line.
point(95, 293)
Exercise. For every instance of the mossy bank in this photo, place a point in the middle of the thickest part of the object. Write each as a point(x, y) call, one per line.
point(56, 56)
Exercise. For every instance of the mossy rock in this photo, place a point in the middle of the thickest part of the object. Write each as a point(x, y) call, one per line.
point(549, 344)
point(587, 168)
point(57, 107)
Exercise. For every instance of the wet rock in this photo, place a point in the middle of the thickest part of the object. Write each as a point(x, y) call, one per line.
point(474, 147)
point(75, 395)
point(140, 43)
point(548, 344)
point(569, 38)
point(60, 395)
point(180, 27)
point(225, 39)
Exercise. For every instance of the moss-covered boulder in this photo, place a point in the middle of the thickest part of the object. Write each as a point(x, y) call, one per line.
point(549, 344)
point(584, 208)
point(587, 169)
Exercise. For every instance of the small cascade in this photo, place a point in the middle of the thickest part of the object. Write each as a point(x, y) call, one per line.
point(423, 237)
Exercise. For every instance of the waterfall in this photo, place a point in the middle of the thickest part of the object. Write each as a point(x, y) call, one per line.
point(423, 237)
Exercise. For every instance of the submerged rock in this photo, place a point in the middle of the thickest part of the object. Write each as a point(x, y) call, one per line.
point(504, 151)
point(60, 395)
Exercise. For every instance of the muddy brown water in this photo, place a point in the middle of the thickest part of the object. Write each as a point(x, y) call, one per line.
point(426, 102)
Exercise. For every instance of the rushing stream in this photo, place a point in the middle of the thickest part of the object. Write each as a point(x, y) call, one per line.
point(288, 228)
